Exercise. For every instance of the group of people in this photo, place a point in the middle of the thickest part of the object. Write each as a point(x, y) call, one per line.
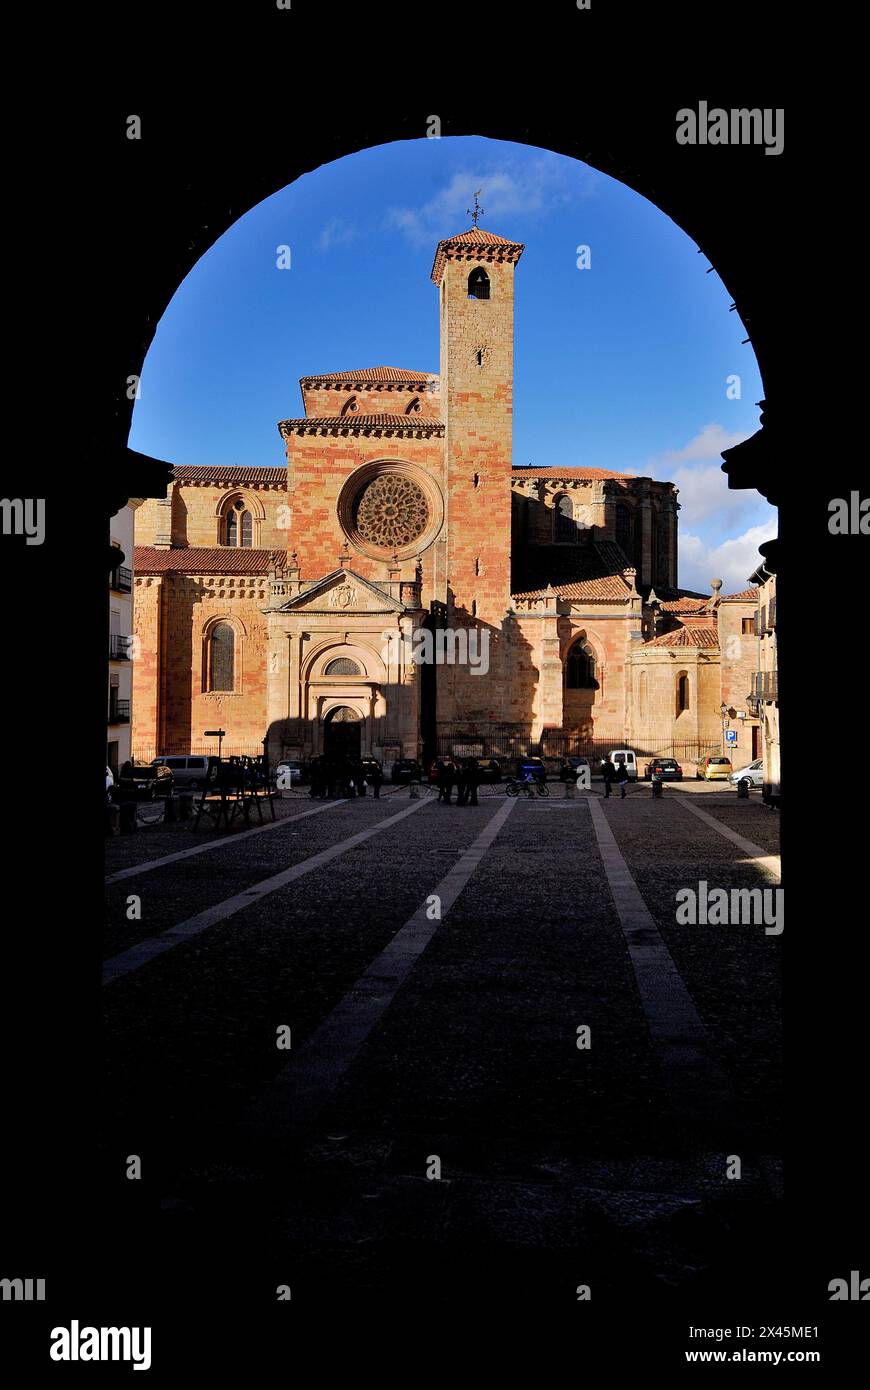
point(614, 772)
point(463, 775)
point(342, 777)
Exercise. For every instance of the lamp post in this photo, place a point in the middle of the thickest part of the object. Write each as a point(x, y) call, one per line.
point(723, 710)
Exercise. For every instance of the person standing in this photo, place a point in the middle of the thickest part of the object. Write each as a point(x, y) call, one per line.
point(473, 779)
point(622, 778)
point(377, 779)
point(607, 771)
point(462, 783)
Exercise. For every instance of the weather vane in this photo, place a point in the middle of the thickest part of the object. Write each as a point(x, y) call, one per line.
point(477, 209)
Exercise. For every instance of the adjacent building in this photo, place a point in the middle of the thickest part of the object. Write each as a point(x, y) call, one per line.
point(121, 647)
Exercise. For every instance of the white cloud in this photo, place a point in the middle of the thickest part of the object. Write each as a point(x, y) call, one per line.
point(506, 191)
point(731, 560)
point(704, 495)
point(709, 444)
point(335, 233)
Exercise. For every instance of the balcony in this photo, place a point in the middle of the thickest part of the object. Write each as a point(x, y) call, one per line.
point(119, 647)
point(765, 688)
point(121, 580)
point(119, 712)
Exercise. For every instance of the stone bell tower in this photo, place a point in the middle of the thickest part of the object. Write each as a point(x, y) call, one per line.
point(474, 272)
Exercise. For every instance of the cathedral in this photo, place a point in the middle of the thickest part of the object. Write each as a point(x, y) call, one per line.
point(289, 605)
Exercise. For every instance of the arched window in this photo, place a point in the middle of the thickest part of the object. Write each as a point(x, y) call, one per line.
point(478, 284)
point(563, 518)
point(661, 557)
point(580, 667)
point(238, 524)
point(222, 658)
point(623, 528)
point(342, 666)
point(682, 692)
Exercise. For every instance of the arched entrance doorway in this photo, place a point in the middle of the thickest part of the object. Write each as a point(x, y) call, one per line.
point(341, 733)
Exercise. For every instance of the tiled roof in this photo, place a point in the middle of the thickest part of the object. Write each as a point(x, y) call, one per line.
point(353, 424)
point(373, 374)
point(478, 244)
point(610, 586)
point(196, 559)
point(223, 473)
point(685, 605)
point(745, 596)
point(705, 635)
point(557, 473)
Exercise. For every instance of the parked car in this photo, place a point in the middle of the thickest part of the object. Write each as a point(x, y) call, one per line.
point(667, 769)
point(488, 769)
point(405, 770)
point(533, 765)
point(189, 770)
point(753, 773)
point(713, 769)
point(145, 781)
point(570, 767)
point(625, 755)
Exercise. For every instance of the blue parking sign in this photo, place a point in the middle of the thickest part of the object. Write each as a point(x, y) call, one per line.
point(730, 735)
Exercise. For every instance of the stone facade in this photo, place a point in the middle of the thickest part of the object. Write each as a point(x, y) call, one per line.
point(284, 605)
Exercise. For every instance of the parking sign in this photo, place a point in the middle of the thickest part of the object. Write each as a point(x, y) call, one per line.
point(730, 735)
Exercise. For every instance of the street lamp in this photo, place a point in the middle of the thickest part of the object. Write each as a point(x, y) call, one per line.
point(723, 710)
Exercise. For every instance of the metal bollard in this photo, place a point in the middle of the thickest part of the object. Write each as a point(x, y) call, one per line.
point(743, 788)
point(127, 816)
point(170, 810)
point(113, 819)
point(185, 806)
point(414, 790)
point(656, 786)
point(570, 789)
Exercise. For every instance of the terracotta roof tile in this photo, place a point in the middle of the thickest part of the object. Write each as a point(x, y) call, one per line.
point(745, 596)
point(224, 473)
point(702, 636)
point(353, 424)
point(373, 374)
point(487, 245)
point(610, 586)
point(195, 559)
point(685, 605)
point(554, 474)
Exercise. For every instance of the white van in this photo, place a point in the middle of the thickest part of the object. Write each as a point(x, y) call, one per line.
point(189, 770)
point(625, 755)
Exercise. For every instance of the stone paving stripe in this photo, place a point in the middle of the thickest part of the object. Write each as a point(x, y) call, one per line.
point(308, 1080)
point(769, 863)
point(690, 1070)
point(218, 844)
point(116, 967)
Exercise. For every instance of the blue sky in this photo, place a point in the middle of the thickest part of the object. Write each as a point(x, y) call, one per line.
point(620, 366)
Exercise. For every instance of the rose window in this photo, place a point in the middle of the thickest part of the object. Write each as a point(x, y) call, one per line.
point(391, 511)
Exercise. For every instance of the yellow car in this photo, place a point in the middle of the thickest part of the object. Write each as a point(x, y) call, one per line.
point(712, 769)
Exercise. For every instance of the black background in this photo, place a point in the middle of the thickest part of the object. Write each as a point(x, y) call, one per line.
point(236, 102)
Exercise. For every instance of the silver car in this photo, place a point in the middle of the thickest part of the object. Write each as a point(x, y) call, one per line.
point(753, 774)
